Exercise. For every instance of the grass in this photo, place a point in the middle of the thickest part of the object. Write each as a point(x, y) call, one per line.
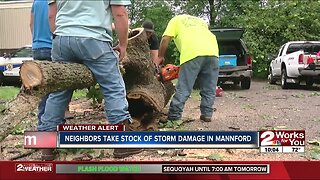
point(195, 94)
point(298, 95)
point(2, 107)
point(77, 94)
point(249, 106)
point(8, 92)
point(265, 116)
point(315, 94)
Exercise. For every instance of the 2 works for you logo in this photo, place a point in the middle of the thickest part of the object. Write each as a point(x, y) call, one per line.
point(282, 138)
point(34, 167)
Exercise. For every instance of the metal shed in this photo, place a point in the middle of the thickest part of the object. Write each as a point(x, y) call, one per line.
point(14, 25)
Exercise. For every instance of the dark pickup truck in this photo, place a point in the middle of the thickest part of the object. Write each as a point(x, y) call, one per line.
point(234, 60)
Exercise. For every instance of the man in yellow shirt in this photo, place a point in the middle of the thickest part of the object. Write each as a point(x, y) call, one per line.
point(199, 53)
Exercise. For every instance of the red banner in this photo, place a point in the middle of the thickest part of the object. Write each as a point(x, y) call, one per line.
point(35, 139)
point(88, 170)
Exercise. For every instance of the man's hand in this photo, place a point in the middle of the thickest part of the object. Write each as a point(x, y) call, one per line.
point(121, 50)
point(120, 16)
point(158, 61)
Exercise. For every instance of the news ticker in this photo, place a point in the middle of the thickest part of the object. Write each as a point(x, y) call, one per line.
point(114, 136)
point(145, 168)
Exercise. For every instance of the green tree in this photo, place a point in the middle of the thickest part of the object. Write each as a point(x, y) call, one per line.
point(159, 12)
point(267, 23)
point(269, 26)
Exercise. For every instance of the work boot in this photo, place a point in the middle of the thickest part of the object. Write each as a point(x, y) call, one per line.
point(125, 152)
point(205, 119)
point(48, 154)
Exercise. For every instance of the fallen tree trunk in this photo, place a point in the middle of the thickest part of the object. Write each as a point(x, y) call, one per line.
point(17, 110)
point(140, 71)
point(145, 94)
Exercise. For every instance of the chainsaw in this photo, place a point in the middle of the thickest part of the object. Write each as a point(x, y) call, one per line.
point(170, 72)
point(166, 73)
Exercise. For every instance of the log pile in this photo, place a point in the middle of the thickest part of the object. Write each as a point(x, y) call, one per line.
point(146, 95)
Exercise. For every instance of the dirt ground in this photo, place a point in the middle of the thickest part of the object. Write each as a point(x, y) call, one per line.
point(264, 106)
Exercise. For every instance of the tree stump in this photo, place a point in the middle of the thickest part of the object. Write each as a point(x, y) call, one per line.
point(146, 95)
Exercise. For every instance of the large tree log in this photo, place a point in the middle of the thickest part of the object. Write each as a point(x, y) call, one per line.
point(139, 76)
point(145, 94)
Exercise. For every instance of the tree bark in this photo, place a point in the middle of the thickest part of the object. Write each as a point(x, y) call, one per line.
point(17, 110)
point(145, 94)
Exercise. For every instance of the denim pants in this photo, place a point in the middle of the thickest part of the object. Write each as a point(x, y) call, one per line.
point(103, 62)
point(206, 69)
point(41, 54)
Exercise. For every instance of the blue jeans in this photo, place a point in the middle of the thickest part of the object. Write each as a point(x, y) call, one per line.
point(206, 69)
point(103, 62)
point(42, 54)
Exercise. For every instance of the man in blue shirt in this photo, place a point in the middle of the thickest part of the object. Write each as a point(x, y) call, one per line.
point(40, 29)
point(83, 34)
point(41, 39)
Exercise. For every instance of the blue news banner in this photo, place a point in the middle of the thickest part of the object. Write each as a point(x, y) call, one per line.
point(160, 139)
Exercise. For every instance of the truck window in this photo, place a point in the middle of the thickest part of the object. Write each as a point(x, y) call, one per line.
point(308, 48)
point(230, 47)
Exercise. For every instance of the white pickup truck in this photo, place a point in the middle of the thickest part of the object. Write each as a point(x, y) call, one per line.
point(297, 61)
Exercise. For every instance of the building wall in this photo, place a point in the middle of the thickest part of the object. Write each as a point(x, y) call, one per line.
point(14, 25)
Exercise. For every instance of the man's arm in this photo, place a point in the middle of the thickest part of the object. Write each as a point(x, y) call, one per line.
point(120, 16)
point(52, 15)
point(163, 48)
point(154, 55)
point(154, 47)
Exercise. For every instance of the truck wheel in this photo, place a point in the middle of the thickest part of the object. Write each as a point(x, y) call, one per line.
point(309, 82)
point(271, 78)
point(284, 77)
point(245, 83)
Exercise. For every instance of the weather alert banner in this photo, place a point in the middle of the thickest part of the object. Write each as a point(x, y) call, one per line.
point(108, 136)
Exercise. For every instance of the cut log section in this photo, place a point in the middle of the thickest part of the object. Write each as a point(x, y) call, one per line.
point(45, 76)
point(145, 94)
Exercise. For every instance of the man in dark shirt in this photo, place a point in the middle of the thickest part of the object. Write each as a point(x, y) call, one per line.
point(152, 39)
